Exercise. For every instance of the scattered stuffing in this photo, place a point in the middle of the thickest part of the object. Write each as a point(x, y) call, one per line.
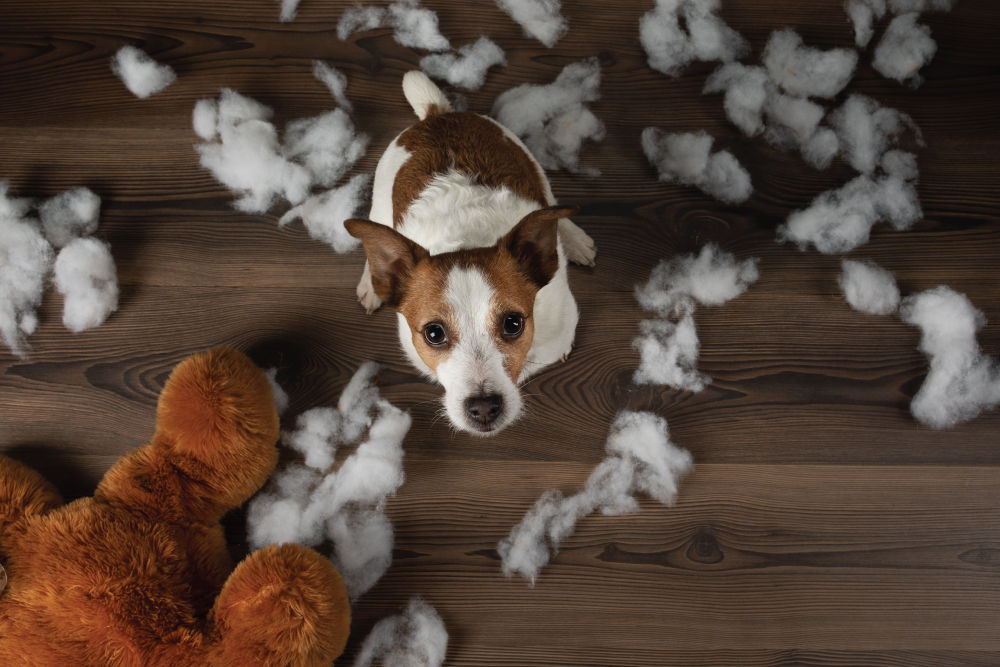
point(85, 274)
point(288, 9)
point(746, 91)
point(69, 215)
point(142, 75)
point(962, 382)
point(335, 81)
point(413, 25)
point(668, 350)
point(640, 458)
point(902, 6)
point(864, 14)
point(279, 394)
point(866, 130)
point(711, 278)
point(868, 287)
point(552, 119)
point(249, 159)
point(468, 68)
point(25, 260)
point(804, 71)
point(328, 145)
point(905, 47)
point(685, 158)
point(313, 503)
point(840, 220)
point(415, 637)
point(324, 214)
point(678, 32)
point(539, 18)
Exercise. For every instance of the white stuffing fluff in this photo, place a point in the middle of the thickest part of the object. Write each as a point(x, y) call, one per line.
point(413, 26)
point(142, 75)
point(671, 44)
point(868, 287)
point(552, 119)
point(711, 278)
point(746, 91)
point(686, 158)
point(335, 81)
point(468, 68)
point(314, 503)
point(69, 215)
point(85, 274)
point(805, 71)
point(288, 9)
point(840, 220)
point(328, 145)
point(866, 130)
point(668, 350)
point(864, 14)
point(415, 637)
point(249, 159)
point(25, 261)
point(905, 47)
point(902, 6)
point(279, 394)
point(323, 215)
point(641, 459)
point(961, 382)
point(539, 18)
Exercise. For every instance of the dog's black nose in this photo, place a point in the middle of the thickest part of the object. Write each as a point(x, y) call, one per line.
point(484, 409)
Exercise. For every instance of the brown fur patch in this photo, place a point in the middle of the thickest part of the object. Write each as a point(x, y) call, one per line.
point(468, 143)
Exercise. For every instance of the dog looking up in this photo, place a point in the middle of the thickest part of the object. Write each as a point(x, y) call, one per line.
point(466, 243)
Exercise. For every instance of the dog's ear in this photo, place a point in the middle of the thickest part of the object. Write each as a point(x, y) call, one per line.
point(391, 257)
point(534, 242)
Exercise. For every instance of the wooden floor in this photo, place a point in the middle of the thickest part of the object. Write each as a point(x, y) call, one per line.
point(822, 526)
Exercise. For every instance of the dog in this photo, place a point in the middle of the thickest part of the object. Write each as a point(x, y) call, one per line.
point(465, 241)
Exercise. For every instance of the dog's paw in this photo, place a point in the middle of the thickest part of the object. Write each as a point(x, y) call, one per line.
point(566, 354)
point(579, 247)
point(367, 297)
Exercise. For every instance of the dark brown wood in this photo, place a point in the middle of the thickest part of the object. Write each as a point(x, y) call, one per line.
point(822, 526)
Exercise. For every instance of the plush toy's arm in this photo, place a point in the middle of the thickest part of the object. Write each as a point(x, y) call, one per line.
point(23, 492)
point(214, 444)
point(283, 605)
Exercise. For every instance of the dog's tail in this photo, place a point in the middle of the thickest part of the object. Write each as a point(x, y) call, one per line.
point(425, 97)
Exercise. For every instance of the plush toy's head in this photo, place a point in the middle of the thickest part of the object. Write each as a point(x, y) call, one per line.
point(139, 574)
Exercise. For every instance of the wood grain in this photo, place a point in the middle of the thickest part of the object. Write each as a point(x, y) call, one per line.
point(823, 526)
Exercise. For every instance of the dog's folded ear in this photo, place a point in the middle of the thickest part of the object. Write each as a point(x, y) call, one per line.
point(391, 257)
point(534, 242)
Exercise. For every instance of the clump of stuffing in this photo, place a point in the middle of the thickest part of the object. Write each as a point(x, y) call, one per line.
point(868, 287)
point(468, 68)
point(641, 459)
point(413, 26)
point(417, 636)
point(552, 119)
point(70, 215)
point(539, 18)
point(962, 381)
point(687, 159)
point(315, 503)
point(142, 75)
point(905, 47)
point(335, 81)
point(85, 274)
point(324, 214)
point(805, 71)
point(678, 32)
point(864, 14)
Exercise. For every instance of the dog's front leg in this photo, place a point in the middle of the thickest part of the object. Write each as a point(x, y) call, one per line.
point(366, 292)
point(579, 247)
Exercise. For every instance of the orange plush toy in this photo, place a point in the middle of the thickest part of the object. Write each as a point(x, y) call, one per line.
point(139, 574)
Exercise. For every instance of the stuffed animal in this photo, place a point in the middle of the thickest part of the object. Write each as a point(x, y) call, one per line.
point(139, 574)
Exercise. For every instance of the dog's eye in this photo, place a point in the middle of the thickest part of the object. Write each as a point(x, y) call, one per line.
point(435, 334)
point(513, 325)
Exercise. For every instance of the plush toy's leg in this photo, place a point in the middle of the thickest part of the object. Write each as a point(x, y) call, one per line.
point(23, 492)
point(283, 605)
point(214, 444)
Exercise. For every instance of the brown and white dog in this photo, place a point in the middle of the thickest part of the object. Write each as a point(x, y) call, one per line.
point(466, 243)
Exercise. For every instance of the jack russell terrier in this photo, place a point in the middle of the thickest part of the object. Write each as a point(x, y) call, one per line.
point(466, 244)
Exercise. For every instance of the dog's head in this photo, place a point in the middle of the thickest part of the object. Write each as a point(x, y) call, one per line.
point(469, 312)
